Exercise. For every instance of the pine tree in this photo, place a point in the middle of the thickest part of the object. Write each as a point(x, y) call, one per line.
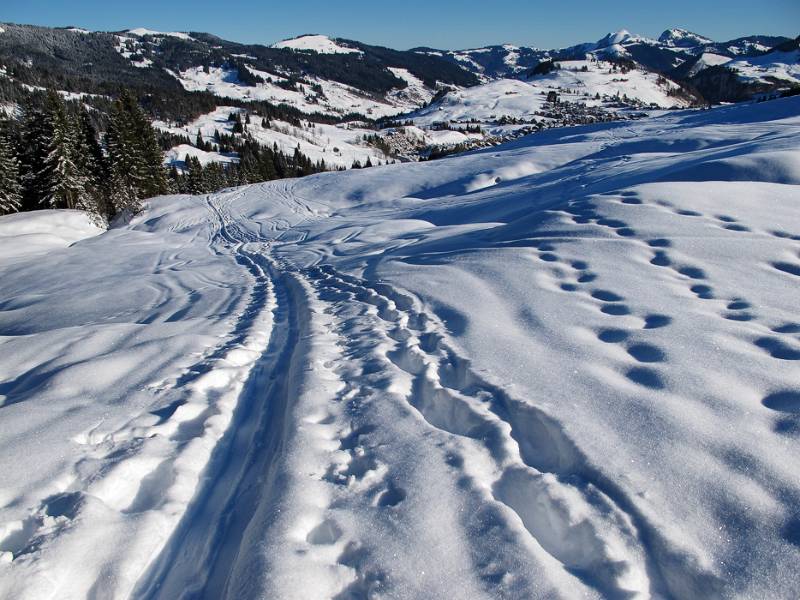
point(134, 154)
point(62, 180)
point(10, 183)
point(33, 147)
point(92, 165)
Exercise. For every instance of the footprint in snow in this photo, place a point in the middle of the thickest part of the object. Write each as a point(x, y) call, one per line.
point(392, 496)
point(612, 335)
point(787, 328)
point(646, 353)
point(787, 267)
point(787, 401)
point(704, 292)
point(606, 296)
point(326, 533)
point(616, 310)
point(646, 377)
point(777, 348)
point(661, 259)
point(656, 321)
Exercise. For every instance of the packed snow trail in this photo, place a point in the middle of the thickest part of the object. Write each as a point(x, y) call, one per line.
point(564, 367)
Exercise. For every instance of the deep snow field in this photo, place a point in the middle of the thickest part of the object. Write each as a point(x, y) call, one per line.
point(565, 367)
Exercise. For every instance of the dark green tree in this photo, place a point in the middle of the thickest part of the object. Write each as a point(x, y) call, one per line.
point(10, 182)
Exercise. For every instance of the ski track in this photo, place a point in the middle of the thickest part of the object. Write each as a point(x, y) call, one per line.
point(339, 444)
point(546, 498)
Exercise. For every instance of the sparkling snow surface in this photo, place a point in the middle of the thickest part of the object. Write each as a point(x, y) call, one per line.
point(566, 367)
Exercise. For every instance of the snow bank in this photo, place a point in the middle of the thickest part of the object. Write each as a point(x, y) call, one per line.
point(41, 231)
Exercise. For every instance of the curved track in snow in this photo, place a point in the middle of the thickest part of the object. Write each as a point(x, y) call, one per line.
point(561, 368)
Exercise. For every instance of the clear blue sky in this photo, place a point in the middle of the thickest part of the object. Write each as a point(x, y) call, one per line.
point(403, 24)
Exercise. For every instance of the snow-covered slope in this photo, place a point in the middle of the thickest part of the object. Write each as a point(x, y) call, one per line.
point(600, 77)
point(320, 44)
point(143, 32)
point(338, 145)
point(781, 66)
point(563, 367)
point(329, 97)
point(705, 60)
point(593, 83)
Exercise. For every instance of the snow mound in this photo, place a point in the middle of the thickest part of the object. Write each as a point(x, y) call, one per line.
point(320, 44)
point(41, 231)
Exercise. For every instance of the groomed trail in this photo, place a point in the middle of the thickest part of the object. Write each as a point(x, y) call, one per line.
point(561, 368)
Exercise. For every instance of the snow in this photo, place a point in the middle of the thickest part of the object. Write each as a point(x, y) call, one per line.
point(142, 32)
point(177, 156)
point(337, 145)
point(707, 59)
point(25, 234)
point(561, 367)
point(615, 39)
point(9, 109)
point(783, 66)
point(320, 44)
point(522, 99)
point(416, 94)
point(683, 38)
point(336, 98)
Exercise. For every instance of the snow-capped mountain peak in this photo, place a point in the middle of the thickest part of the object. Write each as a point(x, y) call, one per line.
point(682, 38)
point(613, 39)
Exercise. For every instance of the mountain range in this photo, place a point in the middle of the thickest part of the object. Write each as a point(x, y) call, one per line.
point(340, 101)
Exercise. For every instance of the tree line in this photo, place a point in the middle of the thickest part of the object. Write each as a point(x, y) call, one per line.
point(63, 154)
point(53, 156)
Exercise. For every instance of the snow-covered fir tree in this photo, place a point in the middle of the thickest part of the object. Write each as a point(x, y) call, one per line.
point(62, 179)
point(10, 185)
point(136, 161)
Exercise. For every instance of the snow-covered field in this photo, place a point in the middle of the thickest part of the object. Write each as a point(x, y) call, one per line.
point(565, 367)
